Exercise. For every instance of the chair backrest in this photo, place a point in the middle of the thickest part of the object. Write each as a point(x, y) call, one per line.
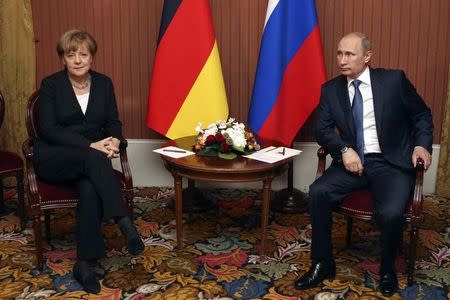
point(2, 108)
point(31, 117)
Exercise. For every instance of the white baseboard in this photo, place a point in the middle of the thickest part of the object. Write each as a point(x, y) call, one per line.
point(148, 169)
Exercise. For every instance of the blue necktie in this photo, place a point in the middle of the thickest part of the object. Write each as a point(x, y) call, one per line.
point(357, 111)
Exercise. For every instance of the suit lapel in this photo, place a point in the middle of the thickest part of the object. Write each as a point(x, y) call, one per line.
point(68, 90)
point(378, 102)
point(91, 92)
point(73, 96)
point(344, 101)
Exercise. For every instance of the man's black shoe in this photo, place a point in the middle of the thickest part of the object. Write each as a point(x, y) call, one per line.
point(316, 274)
point(86, 277)
point(388, 284)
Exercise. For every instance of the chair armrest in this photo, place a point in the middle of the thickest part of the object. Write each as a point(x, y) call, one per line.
point(321, 155)
point(123, 145)
point(124, 164)
point(417, 201)
point(27, 149)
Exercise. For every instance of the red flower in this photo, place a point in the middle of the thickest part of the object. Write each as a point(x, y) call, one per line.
point(219, 138)
point(210, 139)
point(226, 147)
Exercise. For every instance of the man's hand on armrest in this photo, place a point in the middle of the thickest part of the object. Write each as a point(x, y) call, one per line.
point(423, 153)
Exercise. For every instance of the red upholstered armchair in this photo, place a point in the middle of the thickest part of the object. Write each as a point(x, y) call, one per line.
point(11, 165)
point(43, 197)
point(359, 205)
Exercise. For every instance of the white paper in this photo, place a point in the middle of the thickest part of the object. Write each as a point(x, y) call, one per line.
point(173, 151)
point(273, 154)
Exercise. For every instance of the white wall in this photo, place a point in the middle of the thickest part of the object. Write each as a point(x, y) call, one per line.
point(148, 169)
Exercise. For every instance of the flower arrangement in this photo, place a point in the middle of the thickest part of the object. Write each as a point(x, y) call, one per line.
point(224, 139)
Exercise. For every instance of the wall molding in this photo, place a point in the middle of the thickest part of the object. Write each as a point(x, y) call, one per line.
point(148, 169)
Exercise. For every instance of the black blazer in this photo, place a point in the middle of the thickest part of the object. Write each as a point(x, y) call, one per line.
point(402, 118)
point(61, 121)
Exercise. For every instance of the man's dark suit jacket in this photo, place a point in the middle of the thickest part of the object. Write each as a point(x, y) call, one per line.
point(60, 118)
point(403, 120)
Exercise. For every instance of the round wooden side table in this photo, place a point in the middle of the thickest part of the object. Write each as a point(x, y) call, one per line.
point(215, 169)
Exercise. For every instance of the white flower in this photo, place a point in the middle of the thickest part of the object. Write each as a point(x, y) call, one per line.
point(212, 126)
point(222, 124)
point(237, 136)
point(211, 130)
point(233, 132)
point(199, 128)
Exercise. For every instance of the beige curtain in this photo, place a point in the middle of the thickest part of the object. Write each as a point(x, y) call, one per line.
point(443, 175)
point(17, 69)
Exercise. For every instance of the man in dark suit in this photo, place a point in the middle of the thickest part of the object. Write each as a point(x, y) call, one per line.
point(375, 126)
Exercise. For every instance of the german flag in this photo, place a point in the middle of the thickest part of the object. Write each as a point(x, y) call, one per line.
point(186, 84)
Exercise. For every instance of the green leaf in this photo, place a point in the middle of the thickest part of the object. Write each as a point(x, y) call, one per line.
point(239, 149)
point(208, 151)
point(230, 155)
point(272, 269)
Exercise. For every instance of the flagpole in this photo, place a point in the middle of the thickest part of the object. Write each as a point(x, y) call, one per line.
point(290, 199)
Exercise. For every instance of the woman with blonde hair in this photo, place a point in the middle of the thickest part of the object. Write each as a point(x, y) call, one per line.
point(79, 134)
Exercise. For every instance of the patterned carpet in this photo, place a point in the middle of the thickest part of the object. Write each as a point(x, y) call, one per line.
point(220, 258)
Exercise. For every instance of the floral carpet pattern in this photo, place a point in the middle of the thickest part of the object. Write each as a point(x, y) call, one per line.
point(220, 258)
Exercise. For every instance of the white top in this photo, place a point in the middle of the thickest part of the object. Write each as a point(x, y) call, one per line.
point(83, 101)
point(371, 144)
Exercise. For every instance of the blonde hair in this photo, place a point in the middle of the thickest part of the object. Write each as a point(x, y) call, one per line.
point(72, 40)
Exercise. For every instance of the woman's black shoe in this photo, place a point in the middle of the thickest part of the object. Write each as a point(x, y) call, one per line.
point(135, 246)
point(83, 274)
point(132, 239)
point(388, 284)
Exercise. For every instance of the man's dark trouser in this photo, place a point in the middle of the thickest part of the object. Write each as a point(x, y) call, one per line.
point(391, 188)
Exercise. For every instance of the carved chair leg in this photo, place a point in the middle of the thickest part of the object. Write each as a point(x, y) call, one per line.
point(2, 199)
point(38, 240)
point(414, 234)
point(47, 220)
point(21, 201)
point(129, 195)
point(401, 248)
point(348, 238)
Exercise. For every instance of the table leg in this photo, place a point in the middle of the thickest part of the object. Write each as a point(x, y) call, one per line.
point(265, 215)
point(179, 209)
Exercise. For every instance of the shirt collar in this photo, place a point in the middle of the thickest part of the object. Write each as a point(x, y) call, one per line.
point(364, 77)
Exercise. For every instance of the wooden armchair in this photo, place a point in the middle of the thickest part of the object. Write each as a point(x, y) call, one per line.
point(11, 165)
point(43, 197)
point(359, 205)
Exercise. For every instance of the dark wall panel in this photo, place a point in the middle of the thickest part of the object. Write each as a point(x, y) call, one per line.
point(407, 34)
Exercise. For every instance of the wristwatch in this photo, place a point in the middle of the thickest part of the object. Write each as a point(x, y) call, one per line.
point(344, 149)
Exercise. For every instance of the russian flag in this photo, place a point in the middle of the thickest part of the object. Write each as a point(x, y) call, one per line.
point(290, 71)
